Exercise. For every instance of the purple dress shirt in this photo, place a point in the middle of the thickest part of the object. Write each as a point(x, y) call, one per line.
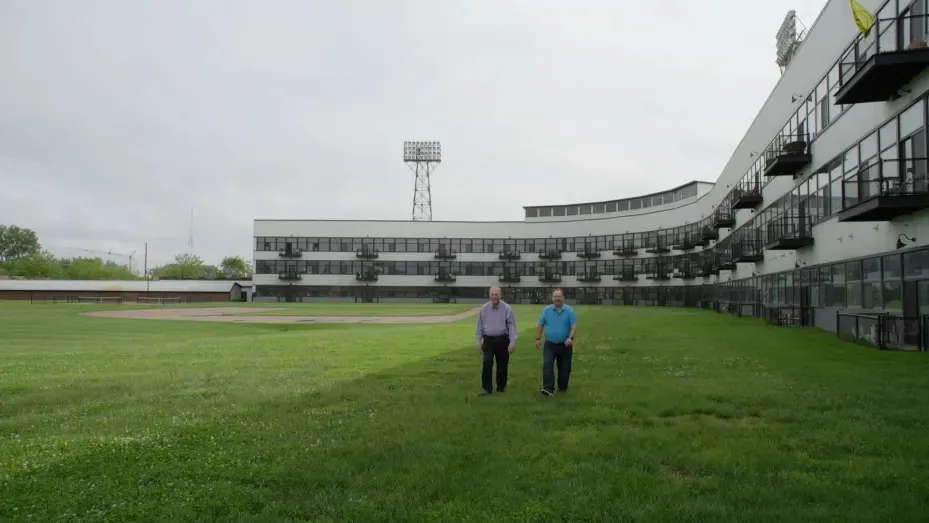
point(494, 321)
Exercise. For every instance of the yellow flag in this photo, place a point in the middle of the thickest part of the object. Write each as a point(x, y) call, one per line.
point(863, 19)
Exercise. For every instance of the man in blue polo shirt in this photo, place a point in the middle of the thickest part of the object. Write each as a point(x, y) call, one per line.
point(559, 324)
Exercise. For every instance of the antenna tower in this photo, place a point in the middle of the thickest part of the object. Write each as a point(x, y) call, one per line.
point(422, 158)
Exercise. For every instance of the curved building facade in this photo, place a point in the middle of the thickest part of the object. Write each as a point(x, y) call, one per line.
point(821, 207)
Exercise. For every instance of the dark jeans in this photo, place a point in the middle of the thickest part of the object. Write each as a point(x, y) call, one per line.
point(495, 347)
point(553, 353)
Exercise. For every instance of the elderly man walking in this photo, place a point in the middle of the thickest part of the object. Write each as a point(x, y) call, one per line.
point(559, 324)
point(495, 335)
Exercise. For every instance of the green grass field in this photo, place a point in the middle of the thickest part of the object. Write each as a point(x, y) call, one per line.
point(670, 417)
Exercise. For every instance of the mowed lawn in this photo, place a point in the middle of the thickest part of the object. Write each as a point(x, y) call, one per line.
point(670, 417)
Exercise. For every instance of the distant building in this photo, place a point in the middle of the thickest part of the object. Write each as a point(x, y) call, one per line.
point(64, 290)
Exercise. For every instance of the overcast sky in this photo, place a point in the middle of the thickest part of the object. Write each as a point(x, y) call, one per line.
point(119, 116)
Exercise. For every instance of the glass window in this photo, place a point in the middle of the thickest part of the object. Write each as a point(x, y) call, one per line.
point(892, 295)
point(916, 264)
point(545, 212)
point(912, 119)
point(558, 211)
point(871, 269)
point(888, 134)
point(868, 147)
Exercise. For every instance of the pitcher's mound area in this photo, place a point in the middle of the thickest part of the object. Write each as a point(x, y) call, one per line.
point(234, 314)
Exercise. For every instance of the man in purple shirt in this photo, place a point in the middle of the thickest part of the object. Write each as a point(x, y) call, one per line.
point(495, 335)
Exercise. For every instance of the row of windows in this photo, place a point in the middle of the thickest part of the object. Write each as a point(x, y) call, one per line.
point(425, 268)
point(894, 282)
point(627, 204)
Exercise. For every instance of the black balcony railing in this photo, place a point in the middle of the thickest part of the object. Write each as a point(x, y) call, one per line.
point(787, 154)
point(588, 277)
point(878, 65)
point(290, 253)
point(789, 232)
point(709, 233)
point(510, 277)
point(290, 276)
point(588, 251)
point(723, 218)
point(747, 251)
point(550, 277)
point(660, 270)
point(685, 272)
point(510, 255)
point(366, 276)
point(625, 249)
point(444, 276)
point(367, 252)
point(550, 254)
point(746, 195)
point(658, 245)
point(685, 242)
point(445, 253)
point(885, 190)
point(626, 275)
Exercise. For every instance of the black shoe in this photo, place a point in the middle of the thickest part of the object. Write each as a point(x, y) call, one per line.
point(484, 393)
point(501, 391)
point(562, 391)
point(547, 392)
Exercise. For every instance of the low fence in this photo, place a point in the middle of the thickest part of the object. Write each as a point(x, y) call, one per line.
point(884, 331)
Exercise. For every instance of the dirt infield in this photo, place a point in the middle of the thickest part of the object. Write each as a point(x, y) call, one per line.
point(231, 314)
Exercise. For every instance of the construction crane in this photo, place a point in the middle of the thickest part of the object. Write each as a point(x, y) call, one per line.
point(110, 253)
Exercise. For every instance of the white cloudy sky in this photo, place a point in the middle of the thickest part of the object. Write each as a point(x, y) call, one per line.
point(119, 116)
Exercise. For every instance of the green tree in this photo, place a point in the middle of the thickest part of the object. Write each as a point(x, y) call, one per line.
point(235, 267)
point(17, 243)
point(185, 267)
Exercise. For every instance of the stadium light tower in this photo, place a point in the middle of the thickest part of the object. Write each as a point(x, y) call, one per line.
point(422, 158)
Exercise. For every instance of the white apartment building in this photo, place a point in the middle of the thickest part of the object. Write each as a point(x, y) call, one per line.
point(821, 209)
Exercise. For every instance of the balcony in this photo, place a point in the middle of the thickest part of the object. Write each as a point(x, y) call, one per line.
point(686, 272)
point(510, 277)
point(660, 272)
point(588, 277)
point(747, 251)
point(290, 253)
point(885, 190)
point(723, 218)
point(746, 196)
point(788, 233)
point(367, 253)
point(709, 268)
point(877, 66)
point(290, 276)
point(708, 233)
point(725, 263)
point(787, 155)
point(444, 253)
point(368, 276)
point(445, 277)
point(550, 277)
point(687, 242)
point(626, 249)
point(658, 246)
point(626, 275)
point(589, 251)
point(551, 254)
point(510, 255)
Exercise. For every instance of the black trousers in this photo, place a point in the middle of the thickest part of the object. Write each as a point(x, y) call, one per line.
point(552, 354)
point(495, 348)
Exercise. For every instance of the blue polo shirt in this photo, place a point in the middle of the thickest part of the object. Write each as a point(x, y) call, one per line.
point(557, 324)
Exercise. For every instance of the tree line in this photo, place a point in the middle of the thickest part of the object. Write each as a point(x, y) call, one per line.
point(22, 256)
